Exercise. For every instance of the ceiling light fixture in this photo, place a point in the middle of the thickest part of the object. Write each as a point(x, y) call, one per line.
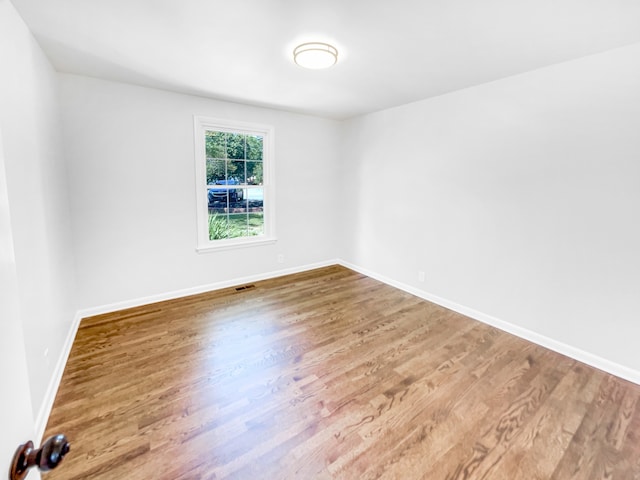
point(315, 55)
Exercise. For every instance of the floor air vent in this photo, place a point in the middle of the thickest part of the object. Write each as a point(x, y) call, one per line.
point(244, 287)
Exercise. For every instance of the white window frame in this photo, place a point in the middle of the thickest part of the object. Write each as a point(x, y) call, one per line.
point(201, 125)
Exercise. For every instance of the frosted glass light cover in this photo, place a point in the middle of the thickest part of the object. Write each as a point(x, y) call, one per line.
point(315, 55)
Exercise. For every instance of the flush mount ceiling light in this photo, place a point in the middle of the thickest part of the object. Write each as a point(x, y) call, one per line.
point(315, 55)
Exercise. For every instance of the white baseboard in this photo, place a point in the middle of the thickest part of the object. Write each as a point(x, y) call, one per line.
point(52, 389)
point(583, 356)
point(137, 302)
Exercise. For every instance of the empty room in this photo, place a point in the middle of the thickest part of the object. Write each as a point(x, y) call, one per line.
point(320, 240)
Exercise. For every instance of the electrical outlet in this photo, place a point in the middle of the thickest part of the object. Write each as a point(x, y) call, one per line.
point(421, 276)
point(280, 258)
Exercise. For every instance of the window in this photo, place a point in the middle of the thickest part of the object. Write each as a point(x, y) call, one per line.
point(234, 180)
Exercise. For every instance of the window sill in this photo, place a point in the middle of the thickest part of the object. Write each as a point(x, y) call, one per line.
point(224, 245)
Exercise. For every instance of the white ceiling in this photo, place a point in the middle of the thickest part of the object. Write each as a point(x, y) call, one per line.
point(391, 52)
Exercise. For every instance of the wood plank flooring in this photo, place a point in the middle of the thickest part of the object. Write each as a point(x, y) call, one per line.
point(329, 374)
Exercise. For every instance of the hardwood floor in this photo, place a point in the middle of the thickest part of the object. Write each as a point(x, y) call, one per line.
point(330, 374)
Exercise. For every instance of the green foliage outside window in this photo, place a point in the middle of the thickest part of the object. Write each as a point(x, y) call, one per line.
point(234, 226)
point(234, 156)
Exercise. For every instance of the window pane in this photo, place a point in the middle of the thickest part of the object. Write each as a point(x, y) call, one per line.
point(254, 147)
point(256, 224)
point(236, 173)
point(218, 226)
point(255, 197)
point(254, 173)
point(215, 171)
point(219, 208)
point(235, 145)
point(238, 203)
point(237, 225)
point(215, 144)
point(218, 200)
point(236, 198)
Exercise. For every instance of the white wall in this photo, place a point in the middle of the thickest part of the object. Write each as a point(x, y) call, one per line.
point(16, 415)
point(37, 195)
point(131, 163)
point(520, 199)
